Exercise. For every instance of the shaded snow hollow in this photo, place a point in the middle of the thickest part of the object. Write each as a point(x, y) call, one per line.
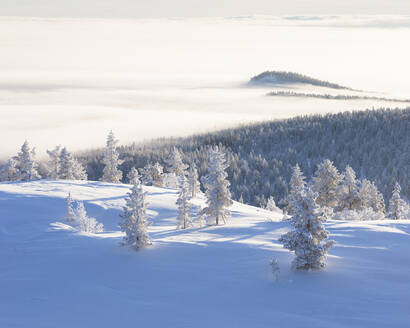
point(54, 276)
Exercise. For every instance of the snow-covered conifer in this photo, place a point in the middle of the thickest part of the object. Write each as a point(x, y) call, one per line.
point(398, 208)
point(184, 207)
point(271, 205)
point(10, 171)
point(348, 191)
point(296, 183)
point(170, 180)
point(371, 197)
point(70, 168)
point(193, 182)
point(54, 163)
point(308, 237)
point(175, 163)
point(325, 182)
point(71, 214)
point(153, 175)
point(86, 223)
point(133, 177)
point(217, 188)
point(27, 167)
point(200, 217)
point(134, 218)
point(111, 173)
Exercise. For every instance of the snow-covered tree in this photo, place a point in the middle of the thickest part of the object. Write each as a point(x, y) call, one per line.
point(111, 173)
point(170, 180)
point(71, 214)
point(184, 206)
point(10, 171)
point(348, 191)
point(371, 197)
point(325, 183)
point(153, 175)
point(86, 223)
point(271, 205)
point(175, 163)
point(26, 164)
point(134, 218)
point(308, 239)
point(70, 168)
point(200, 217)
point(193, 182)
point(54, 163)
point(217, 188)
point(133, 176)
point(398, 208)
point(296, 183)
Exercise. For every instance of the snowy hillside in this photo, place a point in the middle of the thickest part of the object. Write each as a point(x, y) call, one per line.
point(53, 276)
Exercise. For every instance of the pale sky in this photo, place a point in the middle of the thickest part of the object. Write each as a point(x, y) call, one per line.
point(195, 8)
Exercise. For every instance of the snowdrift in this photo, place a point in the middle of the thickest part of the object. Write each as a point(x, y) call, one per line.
point(54, 276)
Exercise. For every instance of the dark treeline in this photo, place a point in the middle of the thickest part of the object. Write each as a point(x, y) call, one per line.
point(375, 143)
point(335, 97)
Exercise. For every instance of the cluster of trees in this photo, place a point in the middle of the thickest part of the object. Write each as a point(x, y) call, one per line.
point(134, 217)
point(281, 77)
point(328, 96)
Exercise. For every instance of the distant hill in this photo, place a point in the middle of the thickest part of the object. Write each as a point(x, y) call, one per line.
point(279, 77)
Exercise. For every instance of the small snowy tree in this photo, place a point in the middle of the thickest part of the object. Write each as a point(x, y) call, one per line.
point(27, 167)
point(175, 163)
point(200, 217)
point(70, 168)
point(271, 205)
point(275, 269)
point(10, 171)
point(134, 218)
point(86, 223)
point(54, 163)
point(70, 215)
point(217, 188)
point(153, 175)
point(193, 182)
point(370, 197)
point(133, 176)
point(325, 183)
point(308, 237)
point(111, 173)
point(296, 183)
point(170, 181)
point(184, 207)
point(398, 208)
point(348, 191)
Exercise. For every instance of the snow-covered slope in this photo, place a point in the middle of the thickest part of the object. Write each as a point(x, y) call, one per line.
point(53, 276)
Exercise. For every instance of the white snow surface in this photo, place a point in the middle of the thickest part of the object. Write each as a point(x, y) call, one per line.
point(54, 276)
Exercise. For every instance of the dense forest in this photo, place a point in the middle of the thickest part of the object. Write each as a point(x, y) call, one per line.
point(375, 143)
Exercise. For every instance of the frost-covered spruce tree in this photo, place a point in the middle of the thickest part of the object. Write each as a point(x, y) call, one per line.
point(325, 183)
point(133, 176)
point(175, 163)
point(26, 164)
point(218, 196)
point(271, 205)
point(70, 215)
point(70, 168)
point(54, 162)
point(297, 182)
point(308, 239)
point(200, 222)
point(193, 182)
point(10, 171)
point(153, 175)
point(370, 197)
point(398, 208)
point(134, 218)
point(348, 191)
point(184, 218)
point(111, 173)
point(86, 223)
